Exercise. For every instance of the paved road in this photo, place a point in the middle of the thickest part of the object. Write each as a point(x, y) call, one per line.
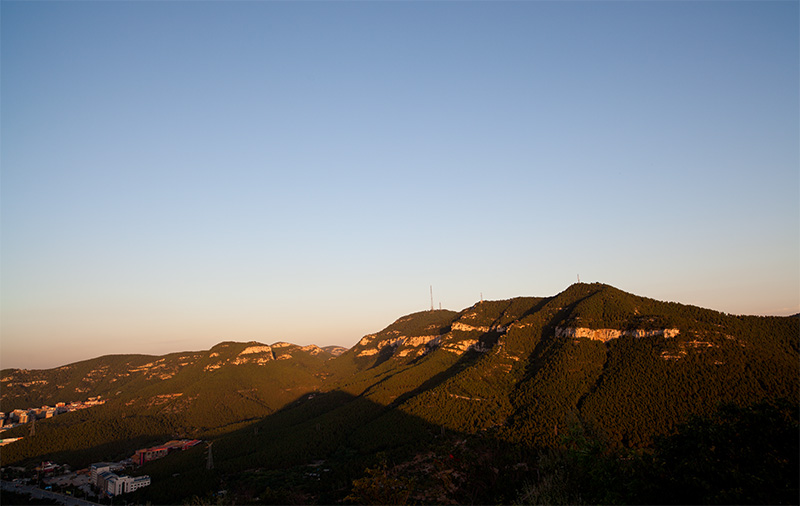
point(38, 493)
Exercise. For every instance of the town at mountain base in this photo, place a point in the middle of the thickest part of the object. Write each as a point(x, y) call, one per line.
point(592, 395)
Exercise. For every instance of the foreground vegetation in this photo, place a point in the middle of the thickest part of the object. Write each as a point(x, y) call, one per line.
point(738, 455)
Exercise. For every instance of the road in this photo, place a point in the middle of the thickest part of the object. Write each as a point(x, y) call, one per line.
point(38, 493)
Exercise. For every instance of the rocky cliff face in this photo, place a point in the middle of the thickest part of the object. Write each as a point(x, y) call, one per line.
point(454, 333)
point(410, 336)
point(606, 335)
point(411, 345)
point(254, 353)
point(465, 327)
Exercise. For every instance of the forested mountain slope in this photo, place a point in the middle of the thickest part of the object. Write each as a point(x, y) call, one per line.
point(624, 366)
point(509, 377)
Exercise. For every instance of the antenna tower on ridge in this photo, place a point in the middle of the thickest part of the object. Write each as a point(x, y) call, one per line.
point(431, 297)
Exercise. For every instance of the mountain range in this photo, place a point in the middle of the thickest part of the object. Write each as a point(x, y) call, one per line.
point(500, 383)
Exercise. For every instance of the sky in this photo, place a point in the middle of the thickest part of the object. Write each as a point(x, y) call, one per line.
point(174, 174)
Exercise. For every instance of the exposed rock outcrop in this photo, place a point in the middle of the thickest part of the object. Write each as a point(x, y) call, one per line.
point(312, 349)
point(465, 327)
point(463, 345)
point(256, 349)
point(261, 354)
point(606, 335)
point(397, 342)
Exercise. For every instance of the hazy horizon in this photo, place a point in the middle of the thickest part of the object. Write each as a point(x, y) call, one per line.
point(177, 174)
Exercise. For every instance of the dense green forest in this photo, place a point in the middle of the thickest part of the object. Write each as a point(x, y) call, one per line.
point(493, 404)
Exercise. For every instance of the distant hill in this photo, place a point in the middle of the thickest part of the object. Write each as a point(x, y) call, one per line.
point(122, 376)
point(149, 398)
point(510, 377)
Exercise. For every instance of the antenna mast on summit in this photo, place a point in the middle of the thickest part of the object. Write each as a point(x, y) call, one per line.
point(431, 297)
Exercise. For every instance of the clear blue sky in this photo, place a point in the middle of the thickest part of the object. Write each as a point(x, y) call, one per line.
point(176, 174)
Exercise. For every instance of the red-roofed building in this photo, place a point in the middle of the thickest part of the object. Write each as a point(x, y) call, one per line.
point(157, 452)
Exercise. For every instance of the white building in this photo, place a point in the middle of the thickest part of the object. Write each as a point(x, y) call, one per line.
point(112, 484)
point(136, 482)
point(116, 485)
